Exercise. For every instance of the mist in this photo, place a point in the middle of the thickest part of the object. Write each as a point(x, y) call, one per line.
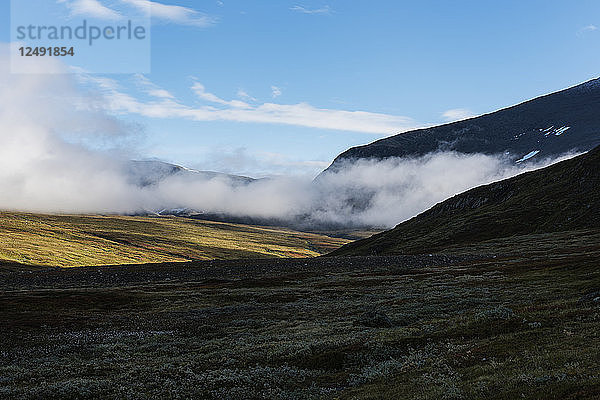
point(47, 164)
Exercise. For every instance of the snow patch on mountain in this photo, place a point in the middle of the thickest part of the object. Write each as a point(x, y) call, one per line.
point(528, 156)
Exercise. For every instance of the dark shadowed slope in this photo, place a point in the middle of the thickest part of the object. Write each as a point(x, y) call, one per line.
point(553, 124)
point(562, 197)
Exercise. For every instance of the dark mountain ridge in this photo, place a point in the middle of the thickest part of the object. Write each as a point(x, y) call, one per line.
point(546, 126)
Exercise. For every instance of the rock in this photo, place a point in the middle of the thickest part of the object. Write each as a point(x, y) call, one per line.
point(591, 297)
point(374, 319)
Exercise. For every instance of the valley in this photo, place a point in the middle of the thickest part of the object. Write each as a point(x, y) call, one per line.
point(519, 322)
point(383, 200)
point(491, 293)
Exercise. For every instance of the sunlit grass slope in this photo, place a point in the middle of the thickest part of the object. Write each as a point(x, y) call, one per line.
point(70, 241)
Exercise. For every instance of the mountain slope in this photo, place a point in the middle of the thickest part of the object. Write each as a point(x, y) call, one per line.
point(151, 172)
point(562, 197)
point(79, 240)
point(546, 126)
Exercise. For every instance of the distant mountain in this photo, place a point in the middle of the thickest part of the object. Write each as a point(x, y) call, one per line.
point(151, 172)
point(147, 173)
point(544, 127)
point(562, 197)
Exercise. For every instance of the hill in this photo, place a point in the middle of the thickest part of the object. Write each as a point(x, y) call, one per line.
point(562, 197)
point(547, 126)
point(71, 241)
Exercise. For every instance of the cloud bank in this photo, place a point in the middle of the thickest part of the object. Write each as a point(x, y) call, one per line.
point(45, 166)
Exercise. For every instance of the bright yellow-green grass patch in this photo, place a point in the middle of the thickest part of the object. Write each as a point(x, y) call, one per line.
point(71, 241)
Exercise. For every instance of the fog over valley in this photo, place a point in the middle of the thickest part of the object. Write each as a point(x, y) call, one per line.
point(46, 166)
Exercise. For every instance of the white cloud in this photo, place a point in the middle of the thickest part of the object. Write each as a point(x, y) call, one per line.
point(201, 92)
point(174, 14)
point(301, 114)
point(275, 91)
point(585, 29)
point(90, 8)
point(160, 93)
point(457, 114)
point(164, 12)
point(283, 161)
point(400, 188)
point(40, 171)
point(304, 10)
point(242, 94)
point(260, 164)
point(151, 89)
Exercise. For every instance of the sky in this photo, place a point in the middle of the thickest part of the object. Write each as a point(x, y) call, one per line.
point(274, 87)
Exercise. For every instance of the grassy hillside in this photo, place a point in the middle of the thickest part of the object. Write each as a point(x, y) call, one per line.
point(562, 197)
point(70, 241)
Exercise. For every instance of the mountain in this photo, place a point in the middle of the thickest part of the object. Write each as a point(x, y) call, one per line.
point(546, 126)
point(151, 172)
point(562, 197)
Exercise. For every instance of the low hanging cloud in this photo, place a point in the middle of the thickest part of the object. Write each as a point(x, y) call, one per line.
point(44, 119)
point(383, 193)
point(45, 166)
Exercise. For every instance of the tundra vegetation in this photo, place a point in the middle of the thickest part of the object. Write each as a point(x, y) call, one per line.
point(517, 323)
point(75, 240)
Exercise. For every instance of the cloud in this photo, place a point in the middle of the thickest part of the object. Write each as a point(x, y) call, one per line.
point(46, 165)
point(304, 10)
point(90, 8)
point(242, 94)
point(260, 164)
point(151, 89)
point(586, 29)
point(163, 12)
point(201, 92)
point(301, 114)
point(385, 193)
point(275, 91)
point(173, 14)
point(457, 114)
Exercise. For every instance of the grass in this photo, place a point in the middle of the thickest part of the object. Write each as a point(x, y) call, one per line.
point(504, 326)
point(71, 241)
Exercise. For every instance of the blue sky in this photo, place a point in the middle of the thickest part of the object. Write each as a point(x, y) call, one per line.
point(263, 87)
